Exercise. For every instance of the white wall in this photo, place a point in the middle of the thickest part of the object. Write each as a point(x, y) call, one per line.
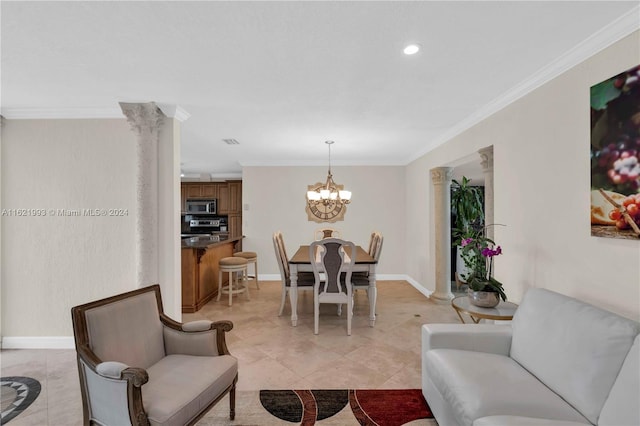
point(542, 193)
point(276, 199)
point(52, 263)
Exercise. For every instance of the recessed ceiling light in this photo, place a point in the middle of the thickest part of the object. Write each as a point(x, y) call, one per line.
point(411, 49)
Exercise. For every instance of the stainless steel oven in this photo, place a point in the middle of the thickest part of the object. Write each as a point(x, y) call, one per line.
point(206, 225)
point(195, 206)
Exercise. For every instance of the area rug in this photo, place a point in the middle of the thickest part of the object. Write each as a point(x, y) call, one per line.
point(379, 407)
point(17, 393)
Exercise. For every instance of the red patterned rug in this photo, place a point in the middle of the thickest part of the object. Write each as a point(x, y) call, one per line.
point(379, 407)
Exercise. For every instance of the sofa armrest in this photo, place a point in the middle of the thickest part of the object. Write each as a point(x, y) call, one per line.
point(524, 421)
point(201, 338)
point(491, 338)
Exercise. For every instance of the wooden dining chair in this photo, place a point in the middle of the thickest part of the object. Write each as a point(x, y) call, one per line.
point(334, 257)
point(322, 233)
point(360, 280)
point(305, 279)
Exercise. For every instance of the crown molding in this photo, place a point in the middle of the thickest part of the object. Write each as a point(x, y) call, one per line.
point(61, 113)
point(174, 111)
point(320, 163)
point(598, 41)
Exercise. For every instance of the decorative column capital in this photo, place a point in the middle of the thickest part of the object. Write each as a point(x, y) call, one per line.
point(486, 158)
point(142, 117)
point(441, 175)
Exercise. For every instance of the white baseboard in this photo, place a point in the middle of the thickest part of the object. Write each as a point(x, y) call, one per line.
point(35, 342)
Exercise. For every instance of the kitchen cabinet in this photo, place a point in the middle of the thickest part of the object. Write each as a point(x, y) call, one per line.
point(235, 197)
point(200, 190)
point(223, 199)
point(228, 194)
point(183, 198)
point(193, 190)
point(235, 228)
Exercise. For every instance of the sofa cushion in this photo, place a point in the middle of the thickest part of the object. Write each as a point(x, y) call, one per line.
point(478, 384)
point(523, 421)
point(181, 386)
point(134, 320)
point(574, 348)
point(621, 407)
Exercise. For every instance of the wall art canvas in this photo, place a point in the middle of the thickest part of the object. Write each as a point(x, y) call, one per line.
point(615, 156)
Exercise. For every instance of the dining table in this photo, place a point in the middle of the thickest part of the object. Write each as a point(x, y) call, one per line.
point(301, 262)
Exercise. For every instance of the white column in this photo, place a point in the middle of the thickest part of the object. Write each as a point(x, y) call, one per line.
point(441, 178)
point(1, 333)
point(145, 119)
point(486, 156)
point(169, 254)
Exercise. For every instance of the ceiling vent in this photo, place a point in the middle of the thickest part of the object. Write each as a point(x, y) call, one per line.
point(231, 141)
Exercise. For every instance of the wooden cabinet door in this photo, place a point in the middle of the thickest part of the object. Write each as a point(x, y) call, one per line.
point(209, 190)
point(200, 190)
point(235, 197)
point(183, 197)
point(223, 198)
point(194, 190)
point(235, 225)
point(235, 229)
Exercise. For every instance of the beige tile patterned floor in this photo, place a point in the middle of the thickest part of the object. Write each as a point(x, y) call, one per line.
point(271, 353)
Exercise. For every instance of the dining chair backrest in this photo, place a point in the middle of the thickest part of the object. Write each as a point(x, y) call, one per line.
point(375, 247)
point(322, 233)
point(305, 280)
point(281, 256)
point(372, 242)
point(334, 257)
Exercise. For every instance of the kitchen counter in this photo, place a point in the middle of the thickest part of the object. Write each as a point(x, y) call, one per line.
point(203, 242)
point(200, 257)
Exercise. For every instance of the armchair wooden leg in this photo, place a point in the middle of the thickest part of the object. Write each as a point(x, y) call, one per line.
point(232, 402)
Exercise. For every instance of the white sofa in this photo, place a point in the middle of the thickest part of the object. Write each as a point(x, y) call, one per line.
point(560, 362)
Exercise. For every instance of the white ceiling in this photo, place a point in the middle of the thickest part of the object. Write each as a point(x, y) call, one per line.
point(283, 77)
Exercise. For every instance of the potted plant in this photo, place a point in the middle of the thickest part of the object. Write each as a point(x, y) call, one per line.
point(467, 205)
point(477, 253)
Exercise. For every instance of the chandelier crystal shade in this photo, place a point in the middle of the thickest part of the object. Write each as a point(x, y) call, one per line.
point(327, 197)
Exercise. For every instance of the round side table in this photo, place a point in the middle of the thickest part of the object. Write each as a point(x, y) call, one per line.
point(503, 312)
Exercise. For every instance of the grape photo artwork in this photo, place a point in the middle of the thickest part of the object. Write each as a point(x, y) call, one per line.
point(615, 156)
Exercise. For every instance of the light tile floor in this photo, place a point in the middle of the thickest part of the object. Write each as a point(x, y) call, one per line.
point(271, 353)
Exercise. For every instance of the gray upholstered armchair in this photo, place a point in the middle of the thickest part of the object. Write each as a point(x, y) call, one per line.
point(139, 367)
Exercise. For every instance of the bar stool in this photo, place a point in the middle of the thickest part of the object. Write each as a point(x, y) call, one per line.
point(252, 259)
point(231, 265)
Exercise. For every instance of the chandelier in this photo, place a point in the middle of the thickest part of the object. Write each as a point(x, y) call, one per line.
point(329, 193)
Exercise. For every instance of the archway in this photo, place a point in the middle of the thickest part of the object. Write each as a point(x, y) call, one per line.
point(441, 177)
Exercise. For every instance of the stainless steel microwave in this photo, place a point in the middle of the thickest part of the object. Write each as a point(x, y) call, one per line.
point(202, 206)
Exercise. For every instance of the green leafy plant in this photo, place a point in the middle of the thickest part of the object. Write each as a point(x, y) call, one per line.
point(478, 252)
point(467, 204)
